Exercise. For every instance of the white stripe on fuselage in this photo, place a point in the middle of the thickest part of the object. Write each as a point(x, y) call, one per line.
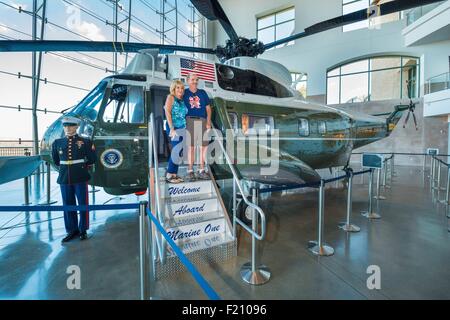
point(120, 138)
point(314, 139)
point(247, 138)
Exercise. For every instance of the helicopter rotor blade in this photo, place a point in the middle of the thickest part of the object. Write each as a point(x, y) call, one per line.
point(407, 119)
point(411, 111)
point(415, 121)
point(357, 16)
point(212, 10)
point(92, 46)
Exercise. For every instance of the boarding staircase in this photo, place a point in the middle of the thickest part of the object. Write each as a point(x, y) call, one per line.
point(195, 217)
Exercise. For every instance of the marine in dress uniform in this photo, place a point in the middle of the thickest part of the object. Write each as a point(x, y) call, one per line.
point(73, 155)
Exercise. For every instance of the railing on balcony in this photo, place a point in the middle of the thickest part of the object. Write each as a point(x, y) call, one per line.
point(15, 151)
point(438, 83)
point(414, 14)
point(16, 148)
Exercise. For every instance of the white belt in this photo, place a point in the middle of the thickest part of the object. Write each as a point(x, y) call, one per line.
point(71, 162)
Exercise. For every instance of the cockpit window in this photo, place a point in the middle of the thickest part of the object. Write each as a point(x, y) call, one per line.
point(248, 81)
point(90, 105)
point(125, 105)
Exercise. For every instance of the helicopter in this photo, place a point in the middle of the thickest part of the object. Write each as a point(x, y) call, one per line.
point(247, 94)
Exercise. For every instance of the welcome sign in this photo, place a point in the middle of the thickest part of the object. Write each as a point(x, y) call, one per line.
point(187, 190)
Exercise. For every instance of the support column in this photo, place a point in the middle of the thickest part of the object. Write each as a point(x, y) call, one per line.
point(39, 11)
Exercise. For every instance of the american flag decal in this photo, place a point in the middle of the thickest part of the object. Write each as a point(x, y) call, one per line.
point(204, 70)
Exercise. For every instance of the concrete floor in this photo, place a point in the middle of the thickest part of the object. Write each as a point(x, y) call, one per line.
point(410, 244)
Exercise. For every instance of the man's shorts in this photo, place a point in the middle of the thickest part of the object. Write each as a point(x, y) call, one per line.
point(196, 132)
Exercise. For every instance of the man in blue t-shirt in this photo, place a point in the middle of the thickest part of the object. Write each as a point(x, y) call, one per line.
point(198, 122)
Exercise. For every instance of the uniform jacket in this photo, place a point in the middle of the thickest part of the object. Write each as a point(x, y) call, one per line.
point(73, 155)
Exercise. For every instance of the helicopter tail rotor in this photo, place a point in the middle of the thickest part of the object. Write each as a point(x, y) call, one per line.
point(411, 110)
point(411, 107)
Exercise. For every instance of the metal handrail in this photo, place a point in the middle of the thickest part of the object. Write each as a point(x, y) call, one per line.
point(154, 165)
point(237, 181)
point(439, 75)
point(440, 160)
point(443, 85)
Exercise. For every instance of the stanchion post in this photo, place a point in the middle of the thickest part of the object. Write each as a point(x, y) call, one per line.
point(318, 247)
point(347, 226)
point(448, 185)
point(143, 252)
point(438, 187)
point(252, 272)
point(379, 196)
point(26, 194)
point(424, 164)
point(385, 177)
point(48, 201)
point(93, 189)
point(439, 176)
point(433, 173)
point(369, 213)
point(234, 209)
point(447, 188)
point(393, 174)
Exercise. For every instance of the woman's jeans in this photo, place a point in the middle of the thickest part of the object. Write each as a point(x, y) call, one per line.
point(176, 155)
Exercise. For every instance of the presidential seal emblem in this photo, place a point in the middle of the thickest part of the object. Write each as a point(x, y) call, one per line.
point(111, 158)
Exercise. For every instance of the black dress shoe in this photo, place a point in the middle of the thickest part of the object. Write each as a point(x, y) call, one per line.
point(83, 236)
point(70, 236)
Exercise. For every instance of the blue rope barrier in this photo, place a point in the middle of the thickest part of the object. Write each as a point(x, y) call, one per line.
point(336, 179)
point(69, 208)
point(361, 172)
point(209, 291)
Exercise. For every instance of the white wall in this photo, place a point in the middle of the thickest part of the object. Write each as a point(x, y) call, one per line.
point(437, 103)
point(314, 55)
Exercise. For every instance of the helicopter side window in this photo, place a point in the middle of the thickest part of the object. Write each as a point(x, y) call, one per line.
point(303, 127)
point(125, 105)
point(233, 121)
point(321, 127)
point(254, 124)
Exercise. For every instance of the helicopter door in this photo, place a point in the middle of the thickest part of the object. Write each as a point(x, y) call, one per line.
point(121, 138)
point(157, 100)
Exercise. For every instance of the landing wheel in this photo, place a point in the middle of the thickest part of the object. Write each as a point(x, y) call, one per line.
point(245, 213)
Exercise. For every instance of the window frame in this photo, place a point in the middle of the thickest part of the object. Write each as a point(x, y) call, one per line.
point(235, 123)
point(371, 70)
point(257, 115)
point(295, 83)
point(400, 16)
point(107, 102)
point(308, 125)
point(274, 26)
point(324, 128)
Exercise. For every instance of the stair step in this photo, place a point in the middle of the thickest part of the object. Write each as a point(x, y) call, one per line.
point(181, 234)
point(186, 199)
point(202, 243)
point(193, 219)
point(180, 209)
point(187, 189)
